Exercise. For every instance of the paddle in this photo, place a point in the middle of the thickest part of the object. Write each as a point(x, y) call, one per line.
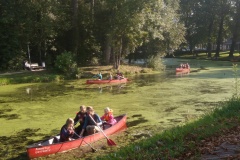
point(93, 149)
point(109, 141)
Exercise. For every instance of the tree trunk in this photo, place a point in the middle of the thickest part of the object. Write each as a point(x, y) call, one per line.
point(119, 54)
point(75, 31)
point(107, 50)
point(234, 40)
point(114, 57)
point(92, 10)
point(235, 30)
point(219, 39)
point(209, 44)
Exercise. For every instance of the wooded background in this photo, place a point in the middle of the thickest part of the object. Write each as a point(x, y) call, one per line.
point(108, 30)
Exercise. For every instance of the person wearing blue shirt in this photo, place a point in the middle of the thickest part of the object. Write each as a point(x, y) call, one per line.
point(99, 76)
point(89, 125)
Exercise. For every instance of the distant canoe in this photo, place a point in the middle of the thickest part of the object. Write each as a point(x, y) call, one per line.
point(105, 81)
point(182, 69)
point(48, 146)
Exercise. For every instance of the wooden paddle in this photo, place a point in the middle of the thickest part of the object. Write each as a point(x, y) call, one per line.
point(93, 149)
point(109, 141)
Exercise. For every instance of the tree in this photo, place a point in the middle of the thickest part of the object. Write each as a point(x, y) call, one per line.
point(223, 10)
point(236, 25)
point(129, 24)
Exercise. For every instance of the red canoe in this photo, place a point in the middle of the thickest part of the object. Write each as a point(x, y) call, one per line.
point(182, 69)
point(47, 147)
point(104, 81)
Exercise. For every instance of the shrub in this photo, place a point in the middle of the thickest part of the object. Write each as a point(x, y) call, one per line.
point(155, 62)
point(4, 81)
point(94, 61)
point(66, 64)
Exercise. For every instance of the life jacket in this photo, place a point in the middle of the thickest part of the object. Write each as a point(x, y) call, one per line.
point(106, 116)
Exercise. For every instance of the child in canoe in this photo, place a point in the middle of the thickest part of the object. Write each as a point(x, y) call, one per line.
point(67, 130)
point(108, 117)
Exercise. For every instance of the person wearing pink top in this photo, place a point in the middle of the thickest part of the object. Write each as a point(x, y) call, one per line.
point(108, 118)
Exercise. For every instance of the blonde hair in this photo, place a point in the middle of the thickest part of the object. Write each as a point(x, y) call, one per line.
point(90, 109)
point(69, 121)
point(108, 109)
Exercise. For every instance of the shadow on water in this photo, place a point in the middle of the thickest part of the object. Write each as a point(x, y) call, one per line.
point(108, 88)
point(140, 120)
point(45, 92)
point(17, 143)
point(149, 80)
point(4, 114)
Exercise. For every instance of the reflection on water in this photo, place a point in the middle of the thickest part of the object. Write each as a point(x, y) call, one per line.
point(110, 88)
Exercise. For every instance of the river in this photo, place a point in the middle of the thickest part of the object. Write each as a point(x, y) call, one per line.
point(152, 102)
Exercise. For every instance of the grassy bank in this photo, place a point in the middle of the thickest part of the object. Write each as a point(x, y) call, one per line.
point(223, 56)
point(182, 142)
point(51, 76)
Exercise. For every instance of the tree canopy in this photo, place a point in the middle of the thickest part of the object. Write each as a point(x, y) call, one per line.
point(109, 30)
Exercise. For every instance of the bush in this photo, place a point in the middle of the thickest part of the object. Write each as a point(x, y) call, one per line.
point(16, 63)
point(94, 61)
point(155, 62)
point(66, 64)
point(4, 81)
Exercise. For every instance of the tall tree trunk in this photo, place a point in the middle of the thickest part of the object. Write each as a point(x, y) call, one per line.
point(233, 44)
point(120, 53)
point(235, 30)
point(209, 44)
point(107, 50)
point(114, 57)
point(75, 32)
point(219, 39)
point(92, 10)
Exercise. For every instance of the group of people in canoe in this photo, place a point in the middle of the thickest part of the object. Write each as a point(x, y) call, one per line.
point(89, 123)
point(118, 75)
point(186, 65)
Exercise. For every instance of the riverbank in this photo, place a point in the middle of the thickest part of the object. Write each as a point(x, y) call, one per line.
point(206, 138)
point(44, 76)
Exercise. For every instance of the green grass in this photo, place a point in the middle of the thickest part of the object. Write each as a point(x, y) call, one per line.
point(223, 56)
point(30, 77)
point(180, 140)
point(51, 76)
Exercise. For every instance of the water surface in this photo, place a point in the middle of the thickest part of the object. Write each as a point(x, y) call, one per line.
point(151, 101)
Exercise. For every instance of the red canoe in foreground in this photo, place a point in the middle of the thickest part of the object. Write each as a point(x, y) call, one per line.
point(47, 147)
point(104, 81)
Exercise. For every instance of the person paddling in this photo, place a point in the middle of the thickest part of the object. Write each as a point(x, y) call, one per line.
point(89, 124)
point(80, 117)
point(99, 76)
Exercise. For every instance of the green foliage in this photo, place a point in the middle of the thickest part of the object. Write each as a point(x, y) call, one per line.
point(155, 62)
point(4, 81)
point(66, 64)
point(94, 61)
point(29, 77)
